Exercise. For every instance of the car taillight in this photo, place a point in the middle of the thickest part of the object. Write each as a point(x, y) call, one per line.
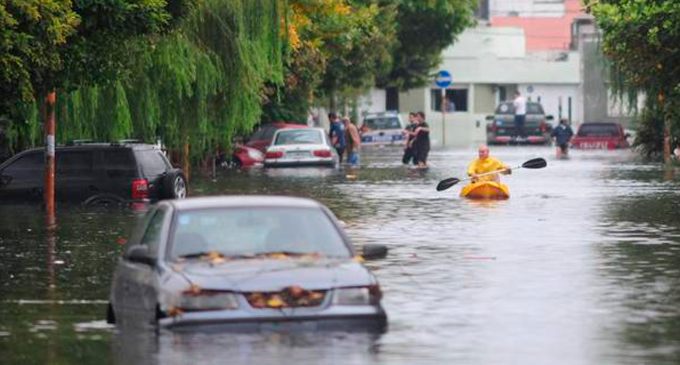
point(322, 153)
point(543, 126)
point(277, 154)
point(140, 189)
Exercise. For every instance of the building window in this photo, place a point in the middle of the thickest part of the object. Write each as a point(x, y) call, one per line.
point(459, 97)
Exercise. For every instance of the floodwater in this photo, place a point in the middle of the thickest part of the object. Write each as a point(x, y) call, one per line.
point(580, 266)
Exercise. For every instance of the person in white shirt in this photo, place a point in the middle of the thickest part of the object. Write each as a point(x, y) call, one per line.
point(520, 105)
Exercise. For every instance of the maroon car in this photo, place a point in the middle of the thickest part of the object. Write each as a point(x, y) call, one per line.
point(252, 153)
point(600, 136)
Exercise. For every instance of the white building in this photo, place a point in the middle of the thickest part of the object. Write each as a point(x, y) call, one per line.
point(488, 64)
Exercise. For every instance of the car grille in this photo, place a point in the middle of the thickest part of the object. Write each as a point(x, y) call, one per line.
point(292, 297)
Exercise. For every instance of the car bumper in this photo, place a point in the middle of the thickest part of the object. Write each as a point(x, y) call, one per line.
point(289, 163)
point(334, 318)
point(510, 140)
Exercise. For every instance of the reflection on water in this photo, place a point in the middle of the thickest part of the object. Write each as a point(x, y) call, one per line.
point(580, 266)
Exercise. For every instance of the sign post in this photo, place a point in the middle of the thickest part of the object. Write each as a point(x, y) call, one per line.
point(443, 80)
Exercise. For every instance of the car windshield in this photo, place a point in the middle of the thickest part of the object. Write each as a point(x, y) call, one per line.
point(509, 108)
point(382, 123)
point(599, 130)
point(248, 232)
point(298, 136)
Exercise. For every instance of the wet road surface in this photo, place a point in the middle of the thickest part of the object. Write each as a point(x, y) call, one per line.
point(580, 266)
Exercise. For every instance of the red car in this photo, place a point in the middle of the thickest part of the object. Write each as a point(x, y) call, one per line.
point(252, 153)
point(600, 136)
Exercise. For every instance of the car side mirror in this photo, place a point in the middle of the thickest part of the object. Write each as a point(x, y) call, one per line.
point(489, 117)
point(140, 254)
point(374, 251)
point(549, 117)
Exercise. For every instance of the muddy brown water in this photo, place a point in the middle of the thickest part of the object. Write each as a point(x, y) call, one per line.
point(580, 266)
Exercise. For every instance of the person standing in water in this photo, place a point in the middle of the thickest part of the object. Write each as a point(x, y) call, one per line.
point(421, 144)
point(484, 164)
point(562, 135)
point(409, 134)
point(353, 141)
point(337, 134)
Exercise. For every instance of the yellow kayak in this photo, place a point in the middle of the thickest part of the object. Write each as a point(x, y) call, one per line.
point(485, 190)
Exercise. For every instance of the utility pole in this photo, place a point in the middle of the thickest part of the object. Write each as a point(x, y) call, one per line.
point(50, 132)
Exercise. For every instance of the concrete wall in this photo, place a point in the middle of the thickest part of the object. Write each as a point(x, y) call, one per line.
point(485, 99)
point(554, 96)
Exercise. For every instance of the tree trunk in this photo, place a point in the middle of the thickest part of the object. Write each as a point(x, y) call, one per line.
point(331, 102)
point(50, 133)
point(392, 98)
point(185, 160)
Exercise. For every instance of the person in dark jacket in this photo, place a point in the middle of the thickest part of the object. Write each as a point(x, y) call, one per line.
point(562, 135)
point(409, 134)
point(421, 144)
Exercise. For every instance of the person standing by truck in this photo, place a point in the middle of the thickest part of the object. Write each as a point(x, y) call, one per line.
point(520, 105)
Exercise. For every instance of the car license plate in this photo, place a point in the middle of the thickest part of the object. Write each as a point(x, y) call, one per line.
point(594, 145)
point(297, 154)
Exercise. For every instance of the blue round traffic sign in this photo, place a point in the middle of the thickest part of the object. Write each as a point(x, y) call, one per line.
point(443, 79)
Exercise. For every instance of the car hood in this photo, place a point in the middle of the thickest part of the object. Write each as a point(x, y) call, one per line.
point(273, 275)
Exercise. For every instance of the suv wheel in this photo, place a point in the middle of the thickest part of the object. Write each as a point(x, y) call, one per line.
point(174, 185)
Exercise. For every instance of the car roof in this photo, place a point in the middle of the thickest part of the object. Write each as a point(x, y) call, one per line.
point(252, 201)
point(287, 125)
point(320, 130)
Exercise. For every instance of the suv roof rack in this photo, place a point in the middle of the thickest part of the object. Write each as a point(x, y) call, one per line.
point(125, 141)
point(78, 142)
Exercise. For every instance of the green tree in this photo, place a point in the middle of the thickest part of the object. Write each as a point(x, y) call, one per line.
point(642, 42)
point(425, 29)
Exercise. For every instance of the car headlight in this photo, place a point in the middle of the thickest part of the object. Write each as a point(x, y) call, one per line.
point(357, 296)
point(207, 301)
point(255, 154)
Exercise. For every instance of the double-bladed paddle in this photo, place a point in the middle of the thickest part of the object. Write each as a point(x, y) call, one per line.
point(536, 163)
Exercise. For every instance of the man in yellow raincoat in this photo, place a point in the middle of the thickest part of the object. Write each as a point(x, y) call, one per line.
point(483, 164)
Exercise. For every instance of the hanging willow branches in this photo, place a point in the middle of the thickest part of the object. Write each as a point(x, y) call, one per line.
point(199, 85)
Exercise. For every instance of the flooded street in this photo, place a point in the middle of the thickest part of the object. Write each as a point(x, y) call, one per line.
point(580, 266)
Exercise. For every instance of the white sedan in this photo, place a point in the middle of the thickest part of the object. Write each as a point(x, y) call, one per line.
point(300, 147)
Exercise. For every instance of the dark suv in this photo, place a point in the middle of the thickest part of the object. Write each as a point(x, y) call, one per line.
point(501, 127)
point(94, 173)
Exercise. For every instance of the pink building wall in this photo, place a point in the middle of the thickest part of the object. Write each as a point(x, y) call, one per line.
point(544, 33)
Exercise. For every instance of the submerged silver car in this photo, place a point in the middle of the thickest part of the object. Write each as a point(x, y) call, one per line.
point(300, 147)
point(245, 261)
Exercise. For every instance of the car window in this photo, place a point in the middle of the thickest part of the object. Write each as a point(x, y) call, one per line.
point(154, 231)
point(599, 130)
point(382, 123)
point(299, 136)
point(268, 132)
point(259, 134)
point(28, 167)
point(152, 162)
point(252, 231)
point(509, 108)
point(120, 163)
point(75, 163)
